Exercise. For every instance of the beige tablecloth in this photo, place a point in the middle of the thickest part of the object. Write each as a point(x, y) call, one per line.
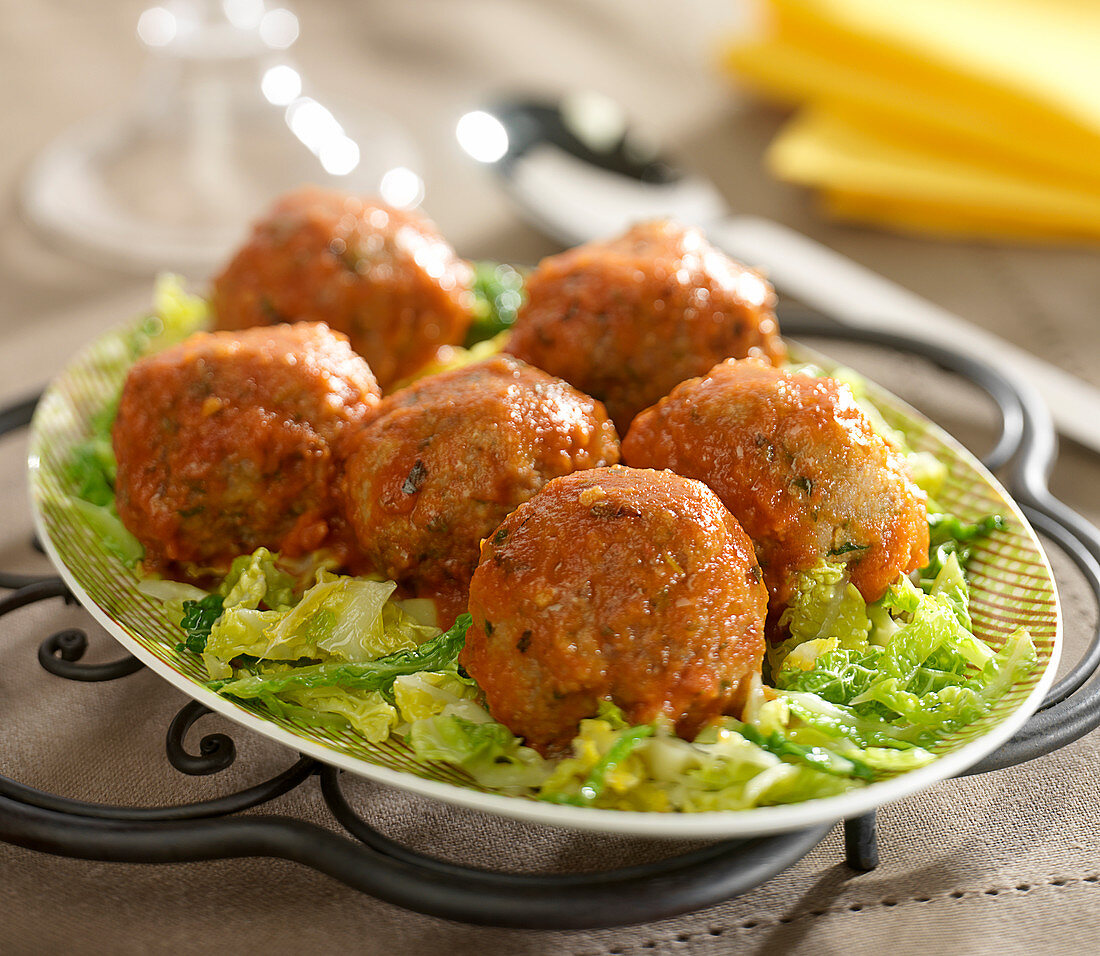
point(1007, 862)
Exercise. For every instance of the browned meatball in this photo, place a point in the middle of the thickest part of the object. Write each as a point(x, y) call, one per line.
point(798, 464)
point(634, 586)
point(383, 276)
point(447, 458)
point(627, 320)
point(229, 442)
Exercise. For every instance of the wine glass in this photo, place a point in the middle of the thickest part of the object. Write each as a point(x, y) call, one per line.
point(222, 122)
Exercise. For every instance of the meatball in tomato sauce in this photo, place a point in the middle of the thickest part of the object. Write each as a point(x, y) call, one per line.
point(230, 441)
point(629, 319)
point(383, 276)
point(447, 458)
point(618, 584)
point(798, 464)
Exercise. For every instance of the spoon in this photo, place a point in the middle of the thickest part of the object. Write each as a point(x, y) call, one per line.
point(578, 172)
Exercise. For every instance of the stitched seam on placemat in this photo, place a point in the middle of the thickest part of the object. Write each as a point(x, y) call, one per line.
point(888, 902)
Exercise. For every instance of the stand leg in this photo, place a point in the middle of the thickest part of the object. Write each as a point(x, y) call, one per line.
point(861, 842)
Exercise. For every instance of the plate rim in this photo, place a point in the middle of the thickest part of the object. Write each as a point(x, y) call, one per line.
point(714, 824)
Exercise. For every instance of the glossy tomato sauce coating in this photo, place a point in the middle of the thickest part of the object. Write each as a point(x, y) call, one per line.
point(798, 464)
point(447, 458)
point(627, 320)
point(382, 276)
point(229, 441)
point(630, 585)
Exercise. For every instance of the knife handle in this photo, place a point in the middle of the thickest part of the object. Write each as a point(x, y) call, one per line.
point(843, 290)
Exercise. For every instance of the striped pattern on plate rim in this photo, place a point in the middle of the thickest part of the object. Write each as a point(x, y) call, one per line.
point(1011, 580)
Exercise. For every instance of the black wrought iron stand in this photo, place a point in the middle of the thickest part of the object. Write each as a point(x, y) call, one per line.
point(372, 863)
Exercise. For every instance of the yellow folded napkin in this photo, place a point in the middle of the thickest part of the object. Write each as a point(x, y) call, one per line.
point(872, 174)
point(979, 117)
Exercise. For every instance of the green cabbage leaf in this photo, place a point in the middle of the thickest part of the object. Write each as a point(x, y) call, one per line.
point(497, 298)
point(437, 654)
point(350, 695)
point(825, 611)
point(430, 693)
point(256, 579)
point(340, 618)
point(368, 714)
point(930, 677)
point(729, 766)
point(488, 751)
point(111, 533)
